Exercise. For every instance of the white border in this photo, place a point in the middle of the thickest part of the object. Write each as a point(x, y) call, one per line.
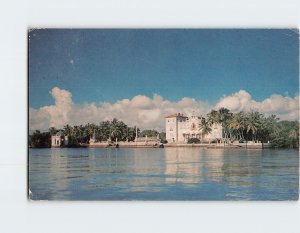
point(19, 215)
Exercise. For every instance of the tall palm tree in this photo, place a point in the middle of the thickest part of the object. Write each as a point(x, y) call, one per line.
point(115, 130)
point(88, 131)
point(123, 130)
point(81, 130)
point(104, 130)
point(272, 123)
point(129, 133)
point(52, 131)
point(238, 124)
point(68, 130)
point(205, 127)
point(213, 117)
point(254, 123)
point(224, 116)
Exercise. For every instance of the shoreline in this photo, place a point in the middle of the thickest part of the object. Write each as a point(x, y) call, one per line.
point(170, 146)
point(160, 146)
point(202, 145)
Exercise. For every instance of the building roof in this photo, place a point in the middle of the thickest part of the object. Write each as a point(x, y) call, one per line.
point(183, 116)
point(177, 115)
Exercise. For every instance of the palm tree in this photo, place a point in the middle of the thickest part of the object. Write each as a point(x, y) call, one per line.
point(123, 130)
point(68, 130)
point(238, 124)
point(293, 136)
point(205, 127)
point(115, 130)
point(104, 130)
point(88, 131)
point(129, 134)
point(272, 123)
point(224, 116)
point(254, 123)
point(81, 129)
point(52, 131)
point(213, 117)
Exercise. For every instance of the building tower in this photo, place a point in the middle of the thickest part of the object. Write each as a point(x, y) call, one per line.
point(172, 128)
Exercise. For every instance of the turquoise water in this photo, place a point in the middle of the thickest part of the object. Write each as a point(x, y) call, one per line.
point(163, 174)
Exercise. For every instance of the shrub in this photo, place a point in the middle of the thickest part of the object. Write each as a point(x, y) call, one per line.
point(193, 140)
point(39, 140)
point(72, 142)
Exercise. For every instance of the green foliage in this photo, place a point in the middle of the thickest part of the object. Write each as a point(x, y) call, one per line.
point(193, 140)
point(286, 134)
point(106, 130)
point(223, 117)
point(72, 142)
point(236, 126)
point(52, 131)
point(205, 127)
point(149, 133)
point(254, 126)
point(162, 137)
point(40, 140)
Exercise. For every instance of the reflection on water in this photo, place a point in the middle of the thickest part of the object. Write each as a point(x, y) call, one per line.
point(183, 166)
point(163, 174)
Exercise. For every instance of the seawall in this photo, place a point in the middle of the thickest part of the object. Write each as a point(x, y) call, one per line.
point(213, 145)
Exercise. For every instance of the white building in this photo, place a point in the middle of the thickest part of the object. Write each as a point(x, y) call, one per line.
point(180, 128)
point(59, 140)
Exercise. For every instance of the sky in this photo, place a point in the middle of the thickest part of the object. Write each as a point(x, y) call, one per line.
point(138, 75)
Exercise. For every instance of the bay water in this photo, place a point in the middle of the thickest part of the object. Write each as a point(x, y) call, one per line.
point(178, 173)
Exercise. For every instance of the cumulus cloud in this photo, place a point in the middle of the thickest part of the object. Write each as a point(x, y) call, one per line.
point(141, 110)
point(285, 107)
point(149, 113)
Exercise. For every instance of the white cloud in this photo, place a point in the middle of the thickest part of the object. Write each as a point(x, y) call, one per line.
point(142, 102)
point(148, 112)
point(285, 107)
point(239, 101)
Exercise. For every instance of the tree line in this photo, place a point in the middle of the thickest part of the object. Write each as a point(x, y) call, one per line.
point(104, 131)
point(240, 126)
point(252, 126)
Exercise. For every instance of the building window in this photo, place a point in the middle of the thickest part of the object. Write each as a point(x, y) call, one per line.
point(193, 126)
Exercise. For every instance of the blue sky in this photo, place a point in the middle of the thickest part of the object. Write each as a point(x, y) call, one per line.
point(109, 65)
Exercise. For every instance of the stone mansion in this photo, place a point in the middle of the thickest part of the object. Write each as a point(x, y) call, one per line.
point(180, 128)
